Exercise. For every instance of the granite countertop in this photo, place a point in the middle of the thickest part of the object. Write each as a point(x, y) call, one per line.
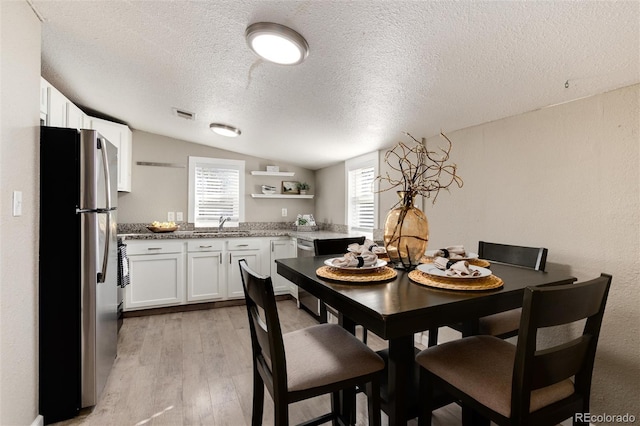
point(306, 235)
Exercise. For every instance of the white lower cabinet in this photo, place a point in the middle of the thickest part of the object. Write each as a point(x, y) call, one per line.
point(249, 249)
point(205, 270)
point(156, 273)
point(282, 248)
point(174, 272)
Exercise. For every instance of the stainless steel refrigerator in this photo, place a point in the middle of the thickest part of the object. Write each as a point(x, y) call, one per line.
point(78, 269)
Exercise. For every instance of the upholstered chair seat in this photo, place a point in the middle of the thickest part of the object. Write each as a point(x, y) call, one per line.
point(484, 369)
point(313, 361)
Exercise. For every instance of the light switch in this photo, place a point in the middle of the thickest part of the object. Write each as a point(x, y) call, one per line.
point(17, 203)
point(284, 212)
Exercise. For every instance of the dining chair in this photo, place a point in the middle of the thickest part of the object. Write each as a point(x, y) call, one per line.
point(503, 324)
point(523, 384)
point(337, 246)
point(305, 363)
point(324, 246)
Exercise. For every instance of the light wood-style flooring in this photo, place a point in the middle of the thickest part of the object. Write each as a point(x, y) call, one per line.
point(194, 368)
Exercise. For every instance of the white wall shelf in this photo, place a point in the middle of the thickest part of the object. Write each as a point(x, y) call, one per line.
point(281, 196)
point(263, 173)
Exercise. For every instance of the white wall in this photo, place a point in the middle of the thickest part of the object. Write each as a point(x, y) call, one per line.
point(158, 190)
point(331, 195)
point(20, 121)
point(567, 178)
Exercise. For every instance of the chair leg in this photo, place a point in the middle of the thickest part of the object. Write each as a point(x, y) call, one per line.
point(364, 335)
point(433, 336)
point(373, 401)
point(335, 408)
point(471, 417)
point(581, 422)
point(281, 411)
point(258, 399)
point(425, 397)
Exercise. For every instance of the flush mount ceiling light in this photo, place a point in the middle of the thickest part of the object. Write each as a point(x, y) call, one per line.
point(225, 130)
point(277, 43)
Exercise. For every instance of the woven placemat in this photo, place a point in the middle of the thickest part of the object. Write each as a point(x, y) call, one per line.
point(486, 283)
point(382, 274)
point(475, 262)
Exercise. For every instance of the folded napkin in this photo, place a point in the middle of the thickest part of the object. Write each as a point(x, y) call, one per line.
point(454, 268)
point(451, 252)
point(368, 245)
point(355, 260)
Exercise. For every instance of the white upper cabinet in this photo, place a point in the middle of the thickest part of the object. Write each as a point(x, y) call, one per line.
point(75, 116)
point(57, 111)
point(44, 96)
point(120, 136)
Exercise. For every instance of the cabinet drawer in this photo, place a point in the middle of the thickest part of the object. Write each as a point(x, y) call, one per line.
point(205, 245)
point(154, 247)
point(243, 244)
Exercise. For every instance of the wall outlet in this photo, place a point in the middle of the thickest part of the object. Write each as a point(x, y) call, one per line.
point(171, 216)
point(284, 212)
point(179, 216)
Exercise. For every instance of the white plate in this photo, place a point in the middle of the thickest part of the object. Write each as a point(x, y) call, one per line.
point(430, 269)
point(431, 253)
point(379, 264)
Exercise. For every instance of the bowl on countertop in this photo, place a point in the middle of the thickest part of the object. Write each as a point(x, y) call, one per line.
point(158, 229)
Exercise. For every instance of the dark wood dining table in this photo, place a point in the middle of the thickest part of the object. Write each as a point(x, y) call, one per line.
point(398, 308)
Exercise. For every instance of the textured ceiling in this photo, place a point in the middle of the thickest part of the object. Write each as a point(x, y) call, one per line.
point(375, 68)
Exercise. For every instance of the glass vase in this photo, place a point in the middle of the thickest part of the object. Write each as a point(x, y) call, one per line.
point(406, 233)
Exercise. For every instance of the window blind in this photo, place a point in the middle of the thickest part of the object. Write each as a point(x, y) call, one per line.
point(216, 193)
point(361, 198)
point(216, 189)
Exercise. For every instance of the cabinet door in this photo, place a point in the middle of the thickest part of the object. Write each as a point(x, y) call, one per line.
point(282, 249)
point(120, 136)
point(57, 111)
point(234, 280)
point(155, 280)
point(75, 116)
point(44, 97)
point(205, 276)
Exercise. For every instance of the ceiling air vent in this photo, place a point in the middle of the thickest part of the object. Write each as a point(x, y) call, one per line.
point(184, 114)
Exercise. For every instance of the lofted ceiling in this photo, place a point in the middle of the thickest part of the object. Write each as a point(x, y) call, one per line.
point(375, 69)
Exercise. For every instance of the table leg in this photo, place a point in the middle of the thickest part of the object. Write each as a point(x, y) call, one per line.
point(400, 364)
point(348, 396)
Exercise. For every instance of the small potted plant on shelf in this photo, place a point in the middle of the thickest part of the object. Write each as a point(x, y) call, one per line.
point(303, 187)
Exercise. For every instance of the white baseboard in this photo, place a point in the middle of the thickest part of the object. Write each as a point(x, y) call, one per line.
point(39, 421)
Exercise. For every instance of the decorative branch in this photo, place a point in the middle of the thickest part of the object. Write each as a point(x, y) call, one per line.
point(422, 171)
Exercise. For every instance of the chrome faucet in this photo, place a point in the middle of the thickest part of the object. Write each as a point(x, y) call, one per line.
point(221, 222)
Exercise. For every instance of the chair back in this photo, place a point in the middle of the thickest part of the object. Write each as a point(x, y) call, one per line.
point(528, 257)
point(553, 306)
point(334, 245)
point(266, 335)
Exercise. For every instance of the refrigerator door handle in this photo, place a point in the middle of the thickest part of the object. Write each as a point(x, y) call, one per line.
point(107, 175)
point(102, 275)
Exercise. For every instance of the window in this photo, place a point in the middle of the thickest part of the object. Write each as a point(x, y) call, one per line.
point(362, 200)
point(216, 189)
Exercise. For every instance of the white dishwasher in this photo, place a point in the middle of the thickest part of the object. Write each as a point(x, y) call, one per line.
point(308, 301)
